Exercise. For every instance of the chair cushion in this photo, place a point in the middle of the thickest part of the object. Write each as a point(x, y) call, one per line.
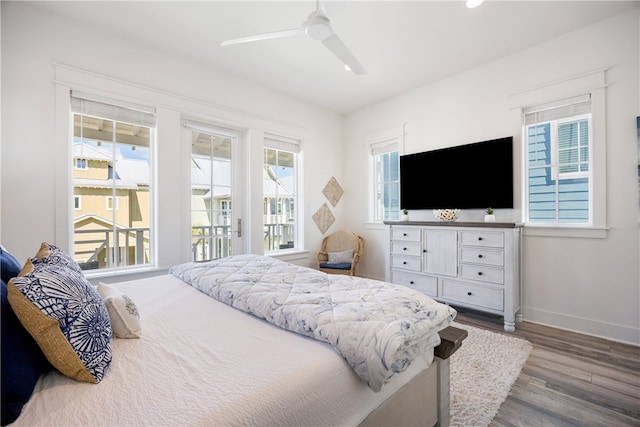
point(340, 257)
point(340, 266)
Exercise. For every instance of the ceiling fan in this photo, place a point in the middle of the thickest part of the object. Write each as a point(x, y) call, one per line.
point(318, 27)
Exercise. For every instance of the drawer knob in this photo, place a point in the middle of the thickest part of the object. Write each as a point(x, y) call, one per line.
point(469, 293)
point(480, 256)
point(404, 262)
point(404, 234)
point(479, 238)
point(479, 273)
point(404, 249)
point(424, 251)
point(411, 282)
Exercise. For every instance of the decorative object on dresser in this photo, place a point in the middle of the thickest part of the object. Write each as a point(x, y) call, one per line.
point(469, 264)
point(405, 215)
point(446, 214)
point(489, 217)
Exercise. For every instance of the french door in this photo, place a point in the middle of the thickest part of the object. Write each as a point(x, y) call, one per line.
point(217, 201)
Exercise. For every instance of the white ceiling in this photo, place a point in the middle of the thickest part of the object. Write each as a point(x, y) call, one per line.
point(403, 45)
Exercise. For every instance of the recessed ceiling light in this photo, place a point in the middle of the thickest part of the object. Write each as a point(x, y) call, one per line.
point(474, 3)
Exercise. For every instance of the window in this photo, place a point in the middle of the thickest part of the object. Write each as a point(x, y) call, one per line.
point(81, 164)
point(558, 166)
point(385, 162)
point(112, 145)
point(110, 203)
point(280, 176)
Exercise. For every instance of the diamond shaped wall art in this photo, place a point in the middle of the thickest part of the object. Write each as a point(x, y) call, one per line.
point(323, 218)
point(333, 191)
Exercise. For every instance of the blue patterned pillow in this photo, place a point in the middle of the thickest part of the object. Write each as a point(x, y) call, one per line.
point(66, 317)
point(22, 362)
point(53, 255)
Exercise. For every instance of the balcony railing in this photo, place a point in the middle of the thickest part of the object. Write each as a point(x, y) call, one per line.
point(107, 248)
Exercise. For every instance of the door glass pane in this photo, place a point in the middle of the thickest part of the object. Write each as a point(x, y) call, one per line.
point(211, 204)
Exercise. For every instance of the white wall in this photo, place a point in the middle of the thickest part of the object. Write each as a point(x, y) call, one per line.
point(33, 184)
point(589, 285)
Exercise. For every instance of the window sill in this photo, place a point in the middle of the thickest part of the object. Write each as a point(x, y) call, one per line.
point(584, 232)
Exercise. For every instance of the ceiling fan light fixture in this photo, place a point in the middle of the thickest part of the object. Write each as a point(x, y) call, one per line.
point(474, 3)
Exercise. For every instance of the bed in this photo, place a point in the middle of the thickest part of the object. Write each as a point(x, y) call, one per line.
point(200, 360)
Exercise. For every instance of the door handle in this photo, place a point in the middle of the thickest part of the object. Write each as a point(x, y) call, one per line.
point(239, 227)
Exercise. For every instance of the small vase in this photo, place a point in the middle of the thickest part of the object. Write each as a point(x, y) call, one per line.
point(490, 218)
point(404, 217)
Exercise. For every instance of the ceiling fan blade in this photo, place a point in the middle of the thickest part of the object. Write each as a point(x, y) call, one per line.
point(339, 49)
point(265, 36)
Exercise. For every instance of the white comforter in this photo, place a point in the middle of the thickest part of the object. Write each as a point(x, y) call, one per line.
point(378, 328)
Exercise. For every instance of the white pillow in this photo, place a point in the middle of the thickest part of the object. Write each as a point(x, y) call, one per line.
point(123, 313)
point(340, 257)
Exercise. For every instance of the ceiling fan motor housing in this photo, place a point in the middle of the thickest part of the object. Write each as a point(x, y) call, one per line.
point(318, 27)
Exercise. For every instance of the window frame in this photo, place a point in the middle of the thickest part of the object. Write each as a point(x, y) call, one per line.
point(120, 114)
point(382, 183)
point(290, 204)
point(594, 83)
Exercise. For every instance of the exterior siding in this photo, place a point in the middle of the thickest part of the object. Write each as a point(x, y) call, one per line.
point(570, 196)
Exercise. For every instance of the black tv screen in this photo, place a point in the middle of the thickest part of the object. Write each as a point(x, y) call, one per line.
point(471, 176)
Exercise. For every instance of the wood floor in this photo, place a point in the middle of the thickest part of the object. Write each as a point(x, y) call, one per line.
point(569, 379)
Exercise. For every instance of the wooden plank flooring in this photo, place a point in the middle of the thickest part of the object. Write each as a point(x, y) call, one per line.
point(570, 379)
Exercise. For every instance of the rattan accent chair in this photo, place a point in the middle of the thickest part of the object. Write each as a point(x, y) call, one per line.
point(335, 257)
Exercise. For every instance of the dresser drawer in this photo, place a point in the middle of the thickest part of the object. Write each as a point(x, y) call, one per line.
point(406, 262)
point(482, 273)
point(406, 248)
point(489, 239)
point(469, 293)
point(406, 234)
point(428, 285)
point(470, 254)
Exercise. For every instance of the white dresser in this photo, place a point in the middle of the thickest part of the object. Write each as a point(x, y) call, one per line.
point(467, 264)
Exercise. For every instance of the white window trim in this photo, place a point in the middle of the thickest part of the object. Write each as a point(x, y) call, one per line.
point(374, 140)
point(593, 82)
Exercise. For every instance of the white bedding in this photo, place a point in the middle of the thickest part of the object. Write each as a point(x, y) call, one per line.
point(378, 327)
point(200, 362)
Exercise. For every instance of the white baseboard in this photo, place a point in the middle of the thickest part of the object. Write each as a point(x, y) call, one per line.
point(610, 331)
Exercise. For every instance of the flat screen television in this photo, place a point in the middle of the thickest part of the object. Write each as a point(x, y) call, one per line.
point(471, 176)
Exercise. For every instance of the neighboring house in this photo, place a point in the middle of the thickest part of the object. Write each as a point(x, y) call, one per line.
point(110, 193)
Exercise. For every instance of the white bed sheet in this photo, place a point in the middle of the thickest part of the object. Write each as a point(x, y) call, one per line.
point(200, 362)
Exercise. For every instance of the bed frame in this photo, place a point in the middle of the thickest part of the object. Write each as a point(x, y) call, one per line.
point(423, 401)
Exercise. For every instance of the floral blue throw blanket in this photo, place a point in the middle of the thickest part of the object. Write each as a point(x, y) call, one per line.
point(379, 328)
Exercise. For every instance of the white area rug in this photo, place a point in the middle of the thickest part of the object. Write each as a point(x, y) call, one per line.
point(482, 373)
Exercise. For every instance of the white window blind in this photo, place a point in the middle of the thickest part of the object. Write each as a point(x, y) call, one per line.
point(282, 143)
point(384, 147)
point(119, 111)
point(557, 110)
